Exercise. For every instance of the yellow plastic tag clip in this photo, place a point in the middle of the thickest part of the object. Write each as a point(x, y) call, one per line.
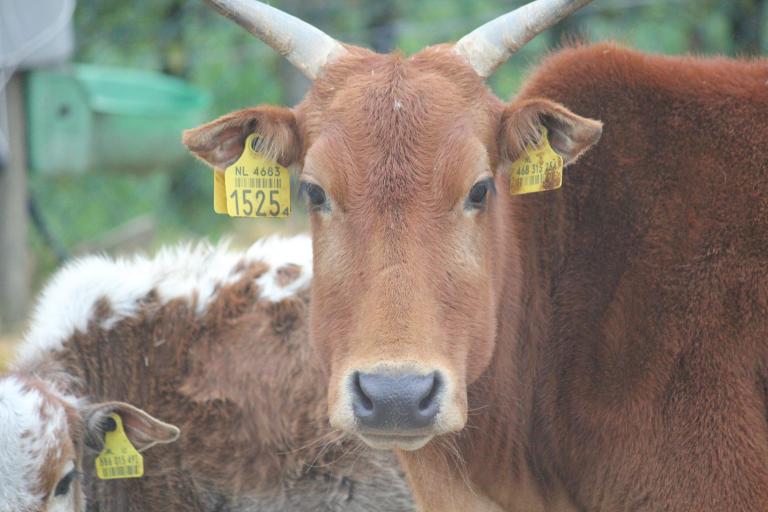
point(219, 192)
point(537, 170)
point(118, 458)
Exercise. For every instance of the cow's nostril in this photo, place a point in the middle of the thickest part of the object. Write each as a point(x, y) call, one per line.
point(430, 400)
point(361, 399)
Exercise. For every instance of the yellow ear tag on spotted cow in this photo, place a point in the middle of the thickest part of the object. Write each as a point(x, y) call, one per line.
point(219, 192)
point(256, 186)
point(118, 458)
point(537, 170)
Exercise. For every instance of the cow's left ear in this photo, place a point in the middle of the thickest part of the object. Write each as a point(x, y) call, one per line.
point(141, 428)
point(570, 135)
point(220, 142)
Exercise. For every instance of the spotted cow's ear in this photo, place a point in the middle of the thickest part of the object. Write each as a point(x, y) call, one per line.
point(142, 429)
point(220, 142)
point(570, 135)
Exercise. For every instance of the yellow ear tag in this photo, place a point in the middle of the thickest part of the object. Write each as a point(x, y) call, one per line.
point(256, 186)
point(537, 170)
point(219, 192)
point(118, 458)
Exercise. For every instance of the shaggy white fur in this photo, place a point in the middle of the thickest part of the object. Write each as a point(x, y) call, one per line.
point(30, 428)
point(193, 272)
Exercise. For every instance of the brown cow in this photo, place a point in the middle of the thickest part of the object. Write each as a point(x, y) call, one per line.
point(209, 339)
point(599, 347)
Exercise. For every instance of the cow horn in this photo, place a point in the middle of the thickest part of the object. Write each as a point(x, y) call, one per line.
point(490, 45)
point(306, 47)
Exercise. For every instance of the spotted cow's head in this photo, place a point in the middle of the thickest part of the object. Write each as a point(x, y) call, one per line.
point(402, 163)
point(43, 434)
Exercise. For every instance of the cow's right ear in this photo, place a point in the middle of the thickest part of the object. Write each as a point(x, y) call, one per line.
point(569, 134)
point(141, 428)
point(220, 142)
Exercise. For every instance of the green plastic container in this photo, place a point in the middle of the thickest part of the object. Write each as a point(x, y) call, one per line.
point(91, 118)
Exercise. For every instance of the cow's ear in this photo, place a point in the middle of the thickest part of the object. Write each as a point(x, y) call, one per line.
point(570, 135)
point(220, 142)
point(141, 428)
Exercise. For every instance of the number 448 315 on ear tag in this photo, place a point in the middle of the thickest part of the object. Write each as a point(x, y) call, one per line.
point(256, 186)
point(538, 169)
point(118, 458)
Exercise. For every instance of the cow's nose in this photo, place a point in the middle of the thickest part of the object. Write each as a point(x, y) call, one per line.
point(391, 402)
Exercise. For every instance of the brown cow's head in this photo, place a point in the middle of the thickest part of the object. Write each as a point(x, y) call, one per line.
point(402, 161)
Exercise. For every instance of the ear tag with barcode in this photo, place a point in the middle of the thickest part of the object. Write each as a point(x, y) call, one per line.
point(256, 186)
point(118, 458)
point(537, 170)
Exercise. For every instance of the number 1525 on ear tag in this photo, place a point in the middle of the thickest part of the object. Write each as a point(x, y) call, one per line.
point(256, 186)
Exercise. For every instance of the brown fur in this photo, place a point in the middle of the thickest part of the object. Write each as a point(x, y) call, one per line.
point(241, 383)
point(631, 354)
point(643, 350)
point(606, 341)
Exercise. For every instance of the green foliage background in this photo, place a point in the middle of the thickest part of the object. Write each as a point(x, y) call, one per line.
point(188, 39)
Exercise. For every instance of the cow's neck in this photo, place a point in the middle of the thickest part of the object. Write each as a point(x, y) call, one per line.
point(496, 454)
point(506, 463)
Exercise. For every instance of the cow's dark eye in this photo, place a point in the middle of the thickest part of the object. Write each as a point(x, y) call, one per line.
point(315, 195)
point(479, 193)
point(62, 488)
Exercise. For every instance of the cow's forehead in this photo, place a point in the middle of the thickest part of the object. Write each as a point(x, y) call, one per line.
point(390, 124)
point(374, 94)
point(32, 425)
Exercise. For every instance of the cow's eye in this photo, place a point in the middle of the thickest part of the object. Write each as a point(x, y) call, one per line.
point(315, 195)
point(62, 488)
point(479, 193)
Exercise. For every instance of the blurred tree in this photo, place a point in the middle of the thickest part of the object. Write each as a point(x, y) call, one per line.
point(569, 30)
point(382, 34)
point(746, 19)
point(171, 40)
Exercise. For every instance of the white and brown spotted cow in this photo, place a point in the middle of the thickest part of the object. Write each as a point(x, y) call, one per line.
point(214, 342)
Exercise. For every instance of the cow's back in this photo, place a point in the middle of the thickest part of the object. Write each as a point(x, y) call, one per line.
point(656, 251)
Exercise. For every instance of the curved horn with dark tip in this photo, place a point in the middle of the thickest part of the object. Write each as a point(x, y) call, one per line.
point(490, 45)
point(306, 47)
